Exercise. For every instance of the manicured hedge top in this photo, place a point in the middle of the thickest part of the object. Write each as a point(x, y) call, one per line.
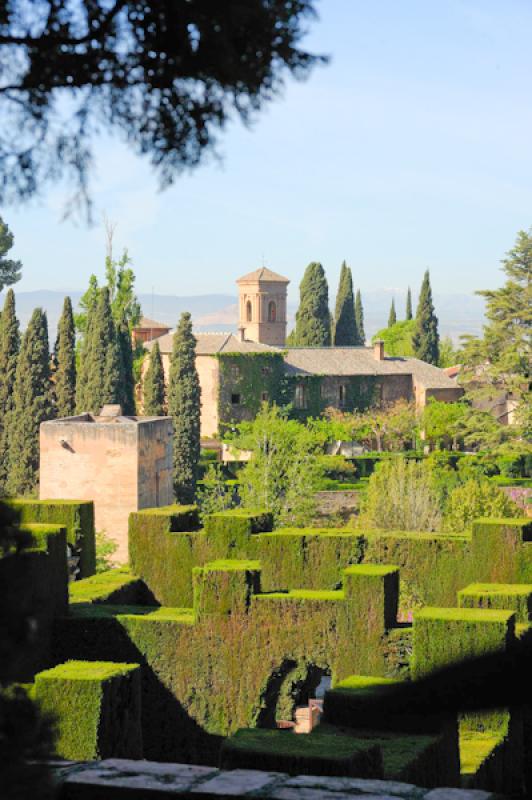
point(86, 671)
point(167, 511)
point(373, 570)
point(303, 594)
point(230, 565)
point(99, 587)
point(318, 745)
point(463, 615)
point(521, 589)
point(366, 683)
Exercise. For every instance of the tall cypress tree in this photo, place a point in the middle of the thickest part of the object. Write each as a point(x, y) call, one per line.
point(153, 386)
point(392, 316)
point(359, 319)
point(9, 348)
point(426, 339)
point(65, 363)
point(101, 373)
point(313, 318)
point(345, 328)
point(127, 390)
point(184, 406)
point(408, 305)
point(31, 406)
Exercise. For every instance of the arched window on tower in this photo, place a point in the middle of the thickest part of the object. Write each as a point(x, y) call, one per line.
point(272, 311)
point(249, 311)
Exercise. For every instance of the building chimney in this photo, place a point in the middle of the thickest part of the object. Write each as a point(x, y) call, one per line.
point(242, 334)
point(378, 350)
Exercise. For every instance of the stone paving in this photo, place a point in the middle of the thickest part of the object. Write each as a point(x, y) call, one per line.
point(115, 779)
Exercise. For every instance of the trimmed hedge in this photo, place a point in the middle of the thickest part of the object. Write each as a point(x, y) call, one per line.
point(34, 587)
point(501, 551)
point(510, 596)
point(318, 754)
point(116, 586)
point(447, 635)
point(76, 515)
point(222, 588)
point(96, 708)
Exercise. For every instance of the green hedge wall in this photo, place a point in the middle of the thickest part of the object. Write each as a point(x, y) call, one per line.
point(507, 596)
point(34, 586)
point(96, 708)
point(76, 515)
point(118, 586)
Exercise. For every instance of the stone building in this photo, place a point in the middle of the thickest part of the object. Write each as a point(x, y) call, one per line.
point(239, 372)
point(148, 329)
point(121, 463)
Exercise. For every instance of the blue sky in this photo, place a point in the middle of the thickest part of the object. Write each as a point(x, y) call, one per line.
point(411, 149)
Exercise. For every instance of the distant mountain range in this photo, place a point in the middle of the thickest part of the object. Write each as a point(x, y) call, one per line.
point(457, 313)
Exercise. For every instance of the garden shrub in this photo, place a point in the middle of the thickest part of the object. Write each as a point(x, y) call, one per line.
point(96, 708)
point(222, 588)
point(501, 551)
point(117, 586)
point(76, 515)
point(474, 499)
point(512, 596)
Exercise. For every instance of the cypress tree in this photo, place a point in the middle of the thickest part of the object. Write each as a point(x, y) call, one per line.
point(408, 305)
point(345, 329)
point(127, 377)
point(184, 406)
point(31, 406)
point(359, 319)
point(65, 363)
point(426, 340)
point(153, 387)
point(313, 318)
point(9, 348)
point(101, 373)
point(392, 317)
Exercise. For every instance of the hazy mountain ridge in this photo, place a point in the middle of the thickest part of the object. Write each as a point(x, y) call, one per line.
point(458, 313)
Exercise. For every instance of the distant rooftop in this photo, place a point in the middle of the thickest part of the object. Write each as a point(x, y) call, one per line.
point(263, 274)
point(209, 344)
point(109, 415)
point(151, 324)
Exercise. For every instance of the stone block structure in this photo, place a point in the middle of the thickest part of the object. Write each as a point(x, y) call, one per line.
point(121, 463)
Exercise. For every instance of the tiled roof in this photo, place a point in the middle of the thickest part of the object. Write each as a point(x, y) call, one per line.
point(263, 274)
point(345, 361)
point(208, 344)
point(151, 324)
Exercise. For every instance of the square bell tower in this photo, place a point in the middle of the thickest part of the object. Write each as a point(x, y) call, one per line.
point(262, 307)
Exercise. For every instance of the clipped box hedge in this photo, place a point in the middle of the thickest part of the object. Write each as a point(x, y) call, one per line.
point(317, 754)
point(222, 588)
point(96, 708)
point(506, 596)
point(502, 550)
point(117, 586)
point(76, 516)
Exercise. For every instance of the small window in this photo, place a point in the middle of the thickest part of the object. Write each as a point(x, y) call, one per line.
point(235, 399)
point(300, 399)
point(272, 311)
point(342, 396)
point(264, 397)
point(266, 370)
point(249, 311)
point(235, 372)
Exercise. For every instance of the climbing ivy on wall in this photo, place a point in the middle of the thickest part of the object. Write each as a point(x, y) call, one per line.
point(249, 375)
point(361, 391)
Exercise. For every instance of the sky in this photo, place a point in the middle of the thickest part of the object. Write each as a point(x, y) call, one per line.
point(411, 149)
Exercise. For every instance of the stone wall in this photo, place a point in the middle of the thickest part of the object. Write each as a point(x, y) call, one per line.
point(155, 463)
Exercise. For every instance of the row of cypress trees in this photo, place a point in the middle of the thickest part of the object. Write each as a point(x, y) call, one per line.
point(184, 405)
point(35, 386)
point(315, 326)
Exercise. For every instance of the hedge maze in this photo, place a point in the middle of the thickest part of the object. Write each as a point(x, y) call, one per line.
point(214, 633)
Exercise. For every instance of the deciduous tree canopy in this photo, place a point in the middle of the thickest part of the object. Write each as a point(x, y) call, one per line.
point(165, 74)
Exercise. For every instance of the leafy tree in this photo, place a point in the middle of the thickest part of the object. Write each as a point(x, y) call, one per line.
point(392, 316)
point(401, 496)
point(65, 363)
point(443, 423)
point(101, 373)
point(10, 270)
point(283, 472)
point(214, 495)
point(127, 379)
point(391, 426)
point(154, 388)
point(397, 339)
point(31, 406)
point(184, 406)
point(87, 304)
point(499, 362)
point(165, 76)
point(9, 348)
point(408, 314)
point(449, 355)
point(313, 319)
point(345, 328)
point(359, 319)
point(426, 340)
point(473, 499)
